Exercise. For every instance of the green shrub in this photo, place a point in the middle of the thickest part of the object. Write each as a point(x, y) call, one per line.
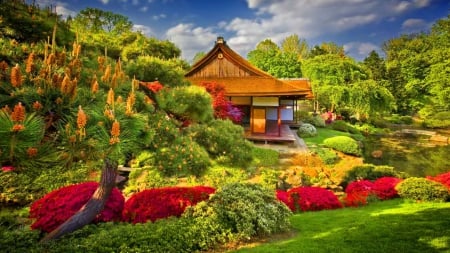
point(317, 121)
point(145, 178)
point(408, 120)
point(422, 189)
point(264, 156)
point(247, 210)
point(144, 158)
point(344, 144)
point(270, 178)
point(224, 142)
point(219, 176)
point(306, 130)
point(439, 120)
point(183, 157)
point(328, 156)
point(370, 172)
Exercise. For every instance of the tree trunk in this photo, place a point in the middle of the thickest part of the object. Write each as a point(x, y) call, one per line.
point(93, 207)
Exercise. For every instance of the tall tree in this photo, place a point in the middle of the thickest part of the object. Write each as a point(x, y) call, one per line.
point(375, 65)
point(293, 44)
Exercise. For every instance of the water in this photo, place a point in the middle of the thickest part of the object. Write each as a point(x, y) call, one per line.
point(413, 154)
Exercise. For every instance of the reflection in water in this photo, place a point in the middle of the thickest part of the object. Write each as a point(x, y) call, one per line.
point(413, 154)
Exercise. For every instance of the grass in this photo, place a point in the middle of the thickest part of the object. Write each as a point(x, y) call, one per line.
point(322, 134)
point(385, 226)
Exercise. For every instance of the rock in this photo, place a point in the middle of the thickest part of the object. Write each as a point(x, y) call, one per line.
point(377, 154)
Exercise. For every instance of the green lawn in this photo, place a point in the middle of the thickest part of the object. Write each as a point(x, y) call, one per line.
point(387, 226)
point(322, 134)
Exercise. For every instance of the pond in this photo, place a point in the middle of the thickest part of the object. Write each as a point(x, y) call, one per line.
point(410, 153)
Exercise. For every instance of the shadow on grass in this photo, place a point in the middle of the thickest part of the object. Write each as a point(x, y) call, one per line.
point(395, 226)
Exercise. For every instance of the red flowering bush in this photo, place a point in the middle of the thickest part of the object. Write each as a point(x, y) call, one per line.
point(357, 192)
point(223, 109)
point(442, 178)
point(159, 203)
point(307, 198)
point(384, 187)
point(282, 196)
point(59, 205)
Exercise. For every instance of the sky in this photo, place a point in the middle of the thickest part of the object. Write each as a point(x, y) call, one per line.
point(360, 26)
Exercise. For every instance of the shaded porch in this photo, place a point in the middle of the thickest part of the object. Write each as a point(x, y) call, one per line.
point(272, 134)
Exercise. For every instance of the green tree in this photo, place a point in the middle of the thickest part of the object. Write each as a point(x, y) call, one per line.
point(375, 66)
point(293, 44)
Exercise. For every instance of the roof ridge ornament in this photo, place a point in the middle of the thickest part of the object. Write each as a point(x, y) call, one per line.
point(220, 40)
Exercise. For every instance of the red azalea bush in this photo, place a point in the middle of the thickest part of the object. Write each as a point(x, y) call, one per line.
point(357, 192)
point(442, 178)
point(384, 187)
point(159, 203)
point(309, 198)
point(282, 196)
point(59, 205)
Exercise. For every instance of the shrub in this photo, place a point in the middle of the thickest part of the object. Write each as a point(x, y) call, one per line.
point(310, 198)
point(384, 187)
point(442, 178)
point(369, 172)
point(358, 192)
point(439, 120)
point(218, 176)
point(327, 155)
point(56, 207)
point(224, 142)
point(159, 203)
point(306, 130)
point(422, 189)
point(246, 210)
point(344, 144)
point(317, 121)
point(340, 125)
point(184, 157)
point(140, 179)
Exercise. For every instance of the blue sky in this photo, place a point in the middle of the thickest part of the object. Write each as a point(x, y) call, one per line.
point(193, 25)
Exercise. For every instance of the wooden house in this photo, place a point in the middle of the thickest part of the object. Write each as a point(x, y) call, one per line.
point(267, 102)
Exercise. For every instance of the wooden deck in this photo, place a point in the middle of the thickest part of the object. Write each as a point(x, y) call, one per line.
point(271, 134)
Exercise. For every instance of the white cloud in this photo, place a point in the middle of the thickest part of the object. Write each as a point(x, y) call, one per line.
point(104, 1)
point(144, 29)
point(360, 50)
point(143, 9)
point(158, 17)
point(414, 25)
point(191, 40)
point(309, 19)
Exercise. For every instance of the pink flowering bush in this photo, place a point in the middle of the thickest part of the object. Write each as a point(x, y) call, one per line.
point(357, 193)
point(308, 198)
point(384, 187)
point(59, 205)
point(442, 178)
point(159, 203)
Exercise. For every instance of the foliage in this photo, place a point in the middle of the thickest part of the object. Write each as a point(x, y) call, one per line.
point(20, 188)
point(344, 144)
point(310, 198)
point(223, 108)
point(358, 193)
point(159, 203)
point(306, 130)
point(246, 210)
point(57, 206)
point(327, 155)
point(370, 172)
point(149, 68)
point(422, 189)
point(223, 141)
point(282, 64)
point(443, 178)
point(384, 187)
point(438, 120)
point(315, 120)
point(191, 103)
point(218, 176)
point(183, 157)
point(140, 179)
point(340, 125)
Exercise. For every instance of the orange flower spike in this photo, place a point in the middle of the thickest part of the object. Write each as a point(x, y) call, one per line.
point(18, 128)
point(37, 105)
point(18, 114)
point(16, 76)
point(110, 98)
point(65, 85)
point(94, 86)
point(30, 63)
point(130, 102)
point(115, 132)
point(32, 152)
point(81, 118)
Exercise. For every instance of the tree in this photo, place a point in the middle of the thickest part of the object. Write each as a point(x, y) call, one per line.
point(198, 56)
point(327, 48)
point(292, 44)
point(375, 66)
point(268, 57)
